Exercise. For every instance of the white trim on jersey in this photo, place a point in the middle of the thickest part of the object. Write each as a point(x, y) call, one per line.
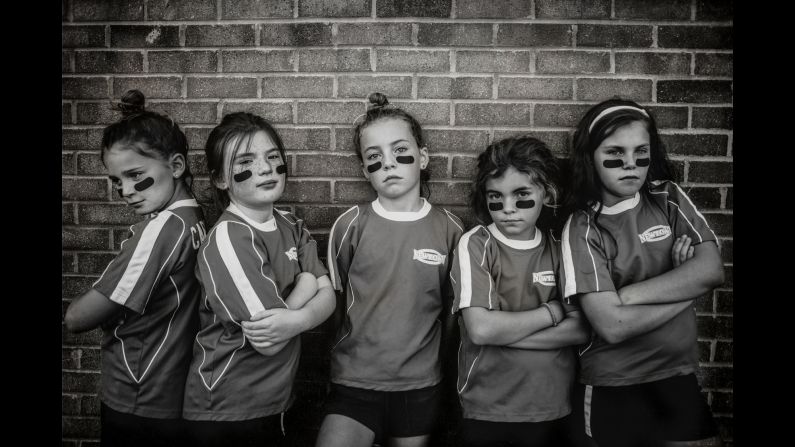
point(469, 373)
point(619, 207)
point(465, 299)
point(183, 203)
point(212, 279)
point(164, 263)
point(226, 367)
point(267, 226)
point(347, 311)
point(570, 287)
point(332, 260)
point(402, 216)
point(692, 205)
point(453, 218)
point(139, 259)
point(514, 243)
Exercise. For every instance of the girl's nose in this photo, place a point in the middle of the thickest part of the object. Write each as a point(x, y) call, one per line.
point(389, 160)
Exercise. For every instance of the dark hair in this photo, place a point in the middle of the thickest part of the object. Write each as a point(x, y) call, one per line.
point(381, 109)
point(234, 129)
point(148, 133)
point(585, 185)
point(526, 154)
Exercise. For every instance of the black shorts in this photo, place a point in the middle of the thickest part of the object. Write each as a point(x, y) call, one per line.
point(391, 414)
point(124, 429)
point(554, 433)
point(259, 432)
point(671, 409)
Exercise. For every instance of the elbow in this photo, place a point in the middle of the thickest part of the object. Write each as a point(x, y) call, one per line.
point(612, 335)
point(72, 322)
point(479, 335)
point(718, 277)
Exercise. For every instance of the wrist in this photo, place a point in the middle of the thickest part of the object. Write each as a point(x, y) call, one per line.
point(551, 313)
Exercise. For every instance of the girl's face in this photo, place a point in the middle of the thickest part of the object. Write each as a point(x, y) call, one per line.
point(257, 173)
point(147, 184)
point(391, 159)
point(622, 162)
point(515, 202)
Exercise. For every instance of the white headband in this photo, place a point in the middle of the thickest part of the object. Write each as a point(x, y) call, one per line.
point(611, 110)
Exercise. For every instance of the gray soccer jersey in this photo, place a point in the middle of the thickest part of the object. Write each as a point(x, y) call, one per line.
point(145, 355)
point(245, 267)
point(631, 242)
point(393, 268)
point(501, 383)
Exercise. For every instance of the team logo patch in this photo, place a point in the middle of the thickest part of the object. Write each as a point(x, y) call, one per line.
point(292, 255)
point(546, 278)
point(428, 256)
point(655, 233)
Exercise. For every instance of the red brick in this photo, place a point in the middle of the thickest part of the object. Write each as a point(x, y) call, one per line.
point(413, 8)
point(600, 89)
point(68, 163)
point(256, 9)
point(669, 117)
point(496, 9)
point(85, 239)
point(145, 36)
point(713, 117)
point(181, 10)
point(319, 217)
point(81, 382)
point(85, 189)
point(493, 62)
point(437, 166)
point(106, 214)
point(449, 34)
point(572, 9)
point(426, 113)
point(226, 87)
point(334, 60)
point(556, 141)
point(67, 263)
point(653, 63)
point(319, 166)
point(704, 197)
point(84, 88)
point(728, 273)
point(89, 406)
point(96, 113)
point(187, 112)
point(90, 338)
point(157, 87)
point(89, 359)
point(66, 61)
point(121, 235)
point(715, 377)
point(70, 404)
point(334, 8)
point(297, 86)
point(465, 167)
point(73, 286)
point(82, 36)
point(614, 36)
point(570, 62)
point(535, 88)
point(109, 62)
point(307, 191)
point(714, 10)
point(558, 115)
point(449, 193)
point(93, 263)
point(296, 34)
point(696, 144)
point(526, 35)
point(456, 141)
point(412, 61)
point(81, 138)
point(695, 37)
point(695, 91)
point(202, 189)
point(247, 61)
point(353, 192)
point(704, 351)
point(197, 162)
point(722, 402)
point(724, 351)
point(344, 139)
point(725, 429)
point(306, 139)
point(703, 304)
point(361, 86)
point(714, 64)
point(107, 10)
point(219, 35)
point(730, 198)
point(727, 250)
point(721, 224)
point(197, 136)
point(67, 214)
point(373, 34)
point(455, 88)
point(329, 112)
point(715, 327)
point(183, 61)
point(72, 427)
point(274, 112)
point(652, 10)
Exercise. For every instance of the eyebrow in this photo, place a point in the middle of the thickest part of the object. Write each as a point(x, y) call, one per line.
point(391, 144)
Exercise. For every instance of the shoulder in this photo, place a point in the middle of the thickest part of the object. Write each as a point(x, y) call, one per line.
point(348, 217)
point(451, 219)
point(476, 238)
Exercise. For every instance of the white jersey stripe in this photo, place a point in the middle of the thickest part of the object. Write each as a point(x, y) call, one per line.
point(466, 271)
point(570, 287)
point(139, 259)
point(331, 258)
point(232, 263)
point(698, 213)
point(451, 217)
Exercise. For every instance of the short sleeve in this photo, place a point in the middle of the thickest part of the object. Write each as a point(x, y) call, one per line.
point(307, 252)
point(340, 252)
point(473, 285)
point(585, 266)
point(683, 216)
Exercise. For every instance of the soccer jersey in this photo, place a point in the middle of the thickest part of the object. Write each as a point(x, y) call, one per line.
point(631, 242)
point(245, 267)
point(146, 353)
point(501, 383)
point(393, 268)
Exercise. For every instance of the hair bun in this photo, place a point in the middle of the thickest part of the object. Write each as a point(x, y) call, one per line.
point(131, 102)
point(377, 99)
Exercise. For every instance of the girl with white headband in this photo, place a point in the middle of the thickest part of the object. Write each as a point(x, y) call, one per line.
point(637, 254)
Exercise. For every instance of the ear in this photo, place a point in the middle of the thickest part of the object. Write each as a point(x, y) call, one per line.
point(178, 164)
point(424, 158)
point(219, 183)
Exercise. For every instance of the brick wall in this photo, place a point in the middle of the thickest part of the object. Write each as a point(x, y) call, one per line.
point(471, 71)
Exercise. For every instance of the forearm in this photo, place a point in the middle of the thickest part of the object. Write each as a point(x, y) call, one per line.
point(318, 308)
point(304, 290)
point(89, 311)
point(270, 350)
point(693, 278)
point(571, 331)
point(500, 328)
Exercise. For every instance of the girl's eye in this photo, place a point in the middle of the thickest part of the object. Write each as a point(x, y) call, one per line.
point(274, 157)
point(401, 149)
point(523, 194)
point(493, 196)
point(135, 176)
point(614, 152)
point(642, 150)
point(244, 162)
point(373, 156)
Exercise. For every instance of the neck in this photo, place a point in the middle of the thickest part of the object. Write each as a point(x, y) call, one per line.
point(410, 202)
point(259, 215)
point(180, 193)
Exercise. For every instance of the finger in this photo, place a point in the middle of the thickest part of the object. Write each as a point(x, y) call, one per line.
point(259, 315)
point(690, 252)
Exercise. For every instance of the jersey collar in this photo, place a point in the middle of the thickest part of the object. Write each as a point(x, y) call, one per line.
point(620, 207)
point(182, 203)
point(402, 216)
point(268, 225)
point(513, 243)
